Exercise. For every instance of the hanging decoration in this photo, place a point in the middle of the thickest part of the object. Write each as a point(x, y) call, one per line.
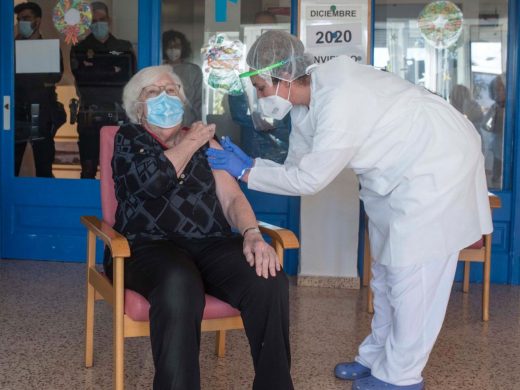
point(223, 61)
point(440, 24)
point(72, 18)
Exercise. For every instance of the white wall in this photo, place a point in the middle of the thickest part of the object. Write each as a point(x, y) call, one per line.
point(329, 229)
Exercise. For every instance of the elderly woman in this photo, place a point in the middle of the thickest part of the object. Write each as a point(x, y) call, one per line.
point(177, 215)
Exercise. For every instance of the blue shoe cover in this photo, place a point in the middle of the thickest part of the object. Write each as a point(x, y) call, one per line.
point(351, 371)
point(372, 383)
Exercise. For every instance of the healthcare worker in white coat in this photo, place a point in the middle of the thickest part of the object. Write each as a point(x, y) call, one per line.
point(421, 171)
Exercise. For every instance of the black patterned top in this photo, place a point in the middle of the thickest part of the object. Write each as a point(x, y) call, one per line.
point(155, 204)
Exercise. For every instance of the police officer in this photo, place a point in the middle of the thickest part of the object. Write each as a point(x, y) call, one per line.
point(35, 100)
point(102, 64)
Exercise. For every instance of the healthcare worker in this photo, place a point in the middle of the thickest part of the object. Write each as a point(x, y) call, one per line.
point(421, 171)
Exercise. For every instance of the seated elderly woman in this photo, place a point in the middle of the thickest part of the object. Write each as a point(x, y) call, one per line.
point(177, 215)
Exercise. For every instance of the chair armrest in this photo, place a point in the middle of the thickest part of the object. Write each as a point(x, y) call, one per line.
point(494, 201)
point(285, 237)
point(117, 243)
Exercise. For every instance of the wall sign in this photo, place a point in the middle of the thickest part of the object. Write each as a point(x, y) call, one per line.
point(332, 28)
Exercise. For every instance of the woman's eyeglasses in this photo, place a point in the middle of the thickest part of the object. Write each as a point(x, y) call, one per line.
point(154, 90)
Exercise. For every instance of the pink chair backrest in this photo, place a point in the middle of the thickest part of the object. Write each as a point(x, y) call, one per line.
point(108, 195)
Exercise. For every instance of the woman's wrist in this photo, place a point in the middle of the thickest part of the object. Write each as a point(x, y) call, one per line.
point(250, 229)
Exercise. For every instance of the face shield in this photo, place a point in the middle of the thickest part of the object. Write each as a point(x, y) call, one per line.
point(275, 55)
point(261, 121)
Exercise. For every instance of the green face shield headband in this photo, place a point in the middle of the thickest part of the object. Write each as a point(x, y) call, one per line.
point(263, 70)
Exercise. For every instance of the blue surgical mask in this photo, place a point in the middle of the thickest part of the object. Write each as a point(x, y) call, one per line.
point(99, 30)
point(164, 110)
point(25, 28)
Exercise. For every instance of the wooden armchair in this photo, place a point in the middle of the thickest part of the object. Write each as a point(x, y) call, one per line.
point(480, 252)
point(130, 309)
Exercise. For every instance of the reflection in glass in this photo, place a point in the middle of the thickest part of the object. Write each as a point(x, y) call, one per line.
point(177, 53)
point(469, 72)
point(49, 103)
point(38, 114)
point(102, 64)
point(195, 20)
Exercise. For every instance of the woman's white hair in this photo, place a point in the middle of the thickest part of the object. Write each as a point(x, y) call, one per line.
point(142, 79)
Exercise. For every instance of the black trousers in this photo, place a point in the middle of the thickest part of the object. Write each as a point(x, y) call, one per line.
point(174, 275)
point(88, 145)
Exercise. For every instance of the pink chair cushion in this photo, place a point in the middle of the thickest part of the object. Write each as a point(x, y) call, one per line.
point(137, 307)
point(477, 245)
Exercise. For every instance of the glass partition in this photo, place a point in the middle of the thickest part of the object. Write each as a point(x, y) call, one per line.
point(72, 59)
point(456, 50)
point(187, 26)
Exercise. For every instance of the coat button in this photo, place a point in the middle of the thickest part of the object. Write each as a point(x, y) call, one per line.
point(183, 175)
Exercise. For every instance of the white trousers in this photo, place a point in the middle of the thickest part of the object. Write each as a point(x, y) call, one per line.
point(409, 308)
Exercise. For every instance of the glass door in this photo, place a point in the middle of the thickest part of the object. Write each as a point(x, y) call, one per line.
point(459, 51)
point(40, 149)
point(188, 28)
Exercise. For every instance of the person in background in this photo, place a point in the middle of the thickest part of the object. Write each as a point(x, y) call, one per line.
point(270, 144)
point(461, 99)
point(35, 100)
point(493, 124)
point(177, 215)
point(102, 64)
point(176, 51)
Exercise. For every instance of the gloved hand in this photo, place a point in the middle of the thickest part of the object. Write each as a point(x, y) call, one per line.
point(232, 159)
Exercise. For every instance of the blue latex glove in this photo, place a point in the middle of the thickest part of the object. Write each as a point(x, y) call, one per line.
point(232, 159)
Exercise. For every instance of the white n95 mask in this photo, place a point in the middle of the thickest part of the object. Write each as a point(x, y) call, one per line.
point(275, 106)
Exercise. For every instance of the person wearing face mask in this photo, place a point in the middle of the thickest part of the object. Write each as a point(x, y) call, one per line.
point(423, 185)
point(176, 51)
point(102, 64)
point(177, 215)
point(271, 141)
point(35, 93)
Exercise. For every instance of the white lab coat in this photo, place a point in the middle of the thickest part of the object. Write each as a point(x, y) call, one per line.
point(418, 161)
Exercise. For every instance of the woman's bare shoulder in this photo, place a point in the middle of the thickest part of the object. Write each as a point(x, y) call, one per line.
point(213, 143)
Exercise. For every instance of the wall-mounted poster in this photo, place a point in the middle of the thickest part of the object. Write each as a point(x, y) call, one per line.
point(332, 28)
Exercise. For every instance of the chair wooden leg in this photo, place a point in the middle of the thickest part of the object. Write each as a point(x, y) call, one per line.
point(486, 279)
point(89, 317)
point(119, 340)
point(89, 327)
point(370, 305)
point(220, 345)
point(465, 283)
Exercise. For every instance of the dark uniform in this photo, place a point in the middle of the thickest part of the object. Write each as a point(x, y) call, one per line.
point(101, 70)
point(35, 101)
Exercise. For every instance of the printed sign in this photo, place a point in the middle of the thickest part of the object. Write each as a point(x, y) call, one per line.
point(334, 12)
point(334, 35)
point(331, 29)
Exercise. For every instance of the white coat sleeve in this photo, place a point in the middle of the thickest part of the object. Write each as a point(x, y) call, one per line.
point(339, 132)
point(262, 162)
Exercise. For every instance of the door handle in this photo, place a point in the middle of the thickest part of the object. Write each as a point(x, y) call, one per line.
point(7, 113)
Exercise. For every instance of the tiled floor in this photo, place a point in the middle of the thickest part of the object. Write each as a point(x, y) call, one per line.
point(41, 338)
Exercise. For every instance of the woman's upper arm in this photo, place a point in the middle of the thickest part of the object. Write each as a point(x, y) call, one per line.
point(226, 185)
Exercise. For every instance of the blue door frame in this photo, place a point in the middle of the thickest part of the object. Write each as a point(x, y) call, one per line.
point(40, 217)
